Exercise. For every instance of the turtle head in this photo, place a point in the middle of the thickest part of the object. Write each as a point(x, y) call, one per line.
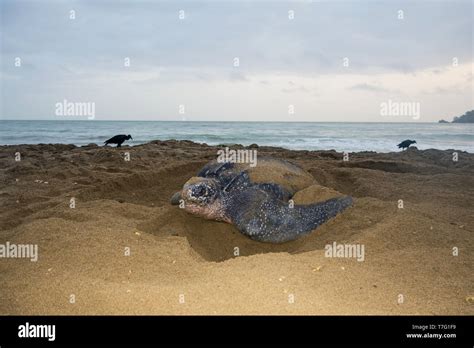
point(202, 197)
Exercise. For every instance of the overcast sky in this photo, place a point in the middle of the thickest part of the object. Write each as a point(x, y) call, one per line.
point(283, 61)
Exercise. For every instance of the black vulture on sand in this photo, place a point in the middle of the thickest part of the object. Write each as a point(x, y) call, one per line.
point(406, 144)
point(118, 139)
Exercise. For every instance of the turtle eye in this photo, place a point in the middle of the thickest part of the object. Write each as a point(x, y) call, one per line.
point(199, 191)
point(202, 193)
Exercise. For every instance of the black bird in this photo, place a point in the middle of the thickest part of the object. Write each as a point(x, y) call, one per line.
point(118, 139)
point(405, 144)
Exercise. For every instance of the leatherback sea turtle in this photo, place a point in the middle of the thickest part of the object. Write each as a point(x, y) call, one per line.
point(257, 199)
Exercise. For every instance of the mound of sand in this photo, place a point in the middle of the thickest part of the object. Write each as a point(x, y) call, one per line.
point(123, 249)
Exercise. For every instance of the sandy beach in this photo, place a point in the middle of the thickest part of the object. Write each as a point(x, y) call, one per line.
point(124, 249)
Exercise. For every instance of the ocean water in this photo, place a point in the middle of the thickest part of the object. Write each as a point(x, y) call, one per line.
point(379, 137)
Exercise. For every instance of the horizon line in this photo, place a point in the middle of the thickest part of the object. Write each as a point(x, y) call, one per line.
point(231, 121)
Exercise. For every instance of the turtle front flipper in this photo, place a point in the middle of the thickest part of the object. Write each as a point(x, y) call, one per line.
point(258, 215)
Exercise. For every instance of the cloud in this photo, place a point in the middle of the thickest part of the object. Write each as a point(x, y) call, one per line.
point(295, 89)
point(446, 90)
point(368, 88)
point(237, 76)
point(84, 57)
